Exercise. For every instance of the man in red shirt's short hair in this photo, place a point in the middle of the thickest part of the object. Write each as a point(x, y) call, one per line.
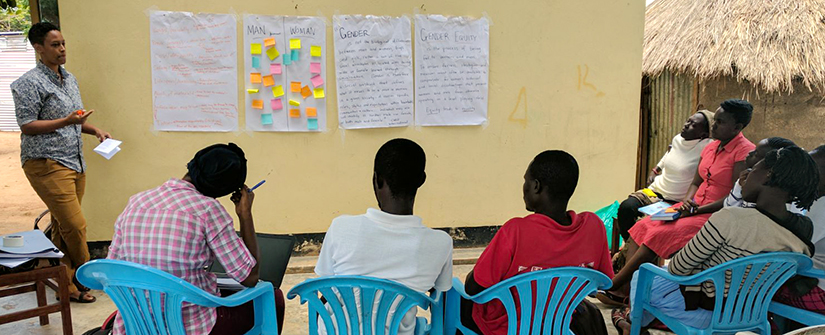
point(551, 237)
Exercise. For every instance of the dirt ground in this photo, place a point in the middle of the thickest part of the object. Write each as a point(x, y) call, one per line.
point(19, 205)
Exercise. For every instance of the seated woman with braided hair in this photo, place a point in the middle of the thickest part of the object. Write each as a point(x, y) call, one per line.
point(785, 175)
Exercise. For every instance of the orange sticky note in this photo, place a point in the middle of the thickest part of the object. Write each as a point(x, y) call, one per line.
point(255, 78)
point(306, 92)
point(312, 112)
point(258, 104)
point(295, 87)
point(269, 42)
point(269, 81)
point(294, 113)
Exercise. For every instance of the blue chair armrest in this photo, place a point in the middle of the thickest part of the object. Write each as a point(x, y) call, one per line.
point(681, 280)
point(802, 316)
point(813, 273)
point(458, 287)
point(246, 295)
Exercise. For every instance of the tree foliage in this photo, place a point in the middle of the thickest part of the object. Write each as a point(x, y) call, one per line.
point(15, 15)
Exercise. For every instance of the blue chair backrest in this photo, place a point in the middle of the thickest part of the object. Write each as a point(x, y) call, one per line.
point(753, 282)
point(343, 304)
point(148, 300)
point(557, 292)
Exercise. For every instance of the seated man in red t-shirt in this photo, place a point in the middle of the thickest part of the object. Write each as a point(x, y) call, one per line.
point(552, 237)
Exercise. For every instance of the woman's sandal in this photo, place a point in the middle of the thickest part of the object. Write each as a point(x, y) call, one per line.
point(80, 299)
point(611, 299)
point(622, 314)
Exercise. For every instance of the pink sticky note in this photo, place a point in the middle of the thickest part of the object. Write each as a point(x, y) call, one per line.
point(315, 67)
point(317, 81)
point(277, 104)
point(275, 68)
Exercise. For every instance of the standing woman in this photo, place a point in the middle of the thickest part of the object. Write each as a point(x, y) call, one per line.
point(46, 100)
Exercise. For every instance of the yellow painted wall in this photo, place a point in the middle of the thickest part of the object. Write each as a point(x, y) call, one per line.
point(573, 67)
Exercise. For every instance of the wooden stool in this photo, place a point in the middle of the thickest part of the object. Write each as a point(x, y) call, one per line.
point(36, 280)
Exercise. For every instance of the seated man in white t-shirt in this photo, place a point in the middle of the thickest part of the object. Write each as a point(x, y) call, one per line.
point(391, 243)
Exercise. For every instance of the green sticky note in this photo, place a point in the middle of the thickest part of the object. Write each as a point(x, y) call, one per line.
point(312, 124)
point(287, 59)
point(266, 118)
point(256, 62)
point(272, 53)
point(255, 48)
point(296, 55)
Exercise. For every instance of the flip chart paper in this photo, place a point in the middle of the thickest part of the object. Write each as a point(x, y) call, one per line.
point(193, 87)
point(310, 31)
point(370, 93)
point(452, 59)
point(267, 31)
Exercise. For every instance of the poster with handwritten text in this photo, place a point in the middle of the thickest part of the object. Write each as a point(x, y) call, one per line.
point(373, 70)
point(306, 42)
point(194, 71)
point(264, 73)
point(452, 60)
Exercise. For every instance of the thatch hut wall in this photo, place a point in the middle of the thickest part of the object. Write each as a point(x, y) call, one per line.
point(799, 116)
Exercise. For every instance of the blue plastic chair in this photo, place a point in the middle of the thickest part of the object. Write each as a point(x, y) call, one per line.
point(746, 306)
point(343, 305)
point(807, 318)
point(554, 309)
point(150, 300)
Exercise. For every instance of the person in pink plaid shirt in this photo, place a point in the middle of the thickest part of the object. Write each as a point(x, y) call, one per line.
point(181, 228)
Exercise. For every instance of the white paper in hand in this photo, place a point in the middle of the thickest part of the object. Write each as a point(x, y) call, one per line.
point(108, 148)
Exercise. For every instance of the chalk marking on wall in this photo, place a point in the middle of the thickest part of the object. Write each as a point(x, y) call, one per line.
point(583, 80)
point(522, 96)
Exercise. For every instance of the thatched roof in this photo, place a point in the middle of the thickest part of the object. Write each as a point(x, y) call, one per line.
point(766, 42)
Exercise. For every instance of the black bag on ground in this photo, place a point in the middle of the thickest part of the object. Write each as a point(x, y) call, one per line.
point(107, 327)
point(588, 320)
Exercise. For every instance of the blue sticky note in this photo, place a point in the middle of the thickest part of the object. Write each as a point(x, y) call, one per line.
point(296, 55)
point(256, 62)
point(266, 118)
point(287, 59)
point(312, 124)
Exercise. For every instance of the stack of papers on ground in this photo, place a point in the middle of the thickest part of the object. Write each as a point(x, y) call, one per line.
point(35, 245)
point(108, 148)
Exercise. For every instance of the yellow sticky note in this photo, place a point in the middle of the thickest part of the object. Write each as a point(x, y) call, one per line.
point(295, 87)
point(295, 43)
point(294, 102)
point(255, 78)
point(315, 51)
point(258, 104)
point(294, 113)
point(255, 48)
point(272, 53)
point(277, 91)
point(269, 42)
point(306, 92)
point(251, 90)
point(318, 93)
point(312, 112)
point(268, 81)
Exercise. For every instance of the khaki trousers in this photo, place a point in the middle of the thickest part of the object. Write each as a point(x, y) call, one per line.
point(61, 189)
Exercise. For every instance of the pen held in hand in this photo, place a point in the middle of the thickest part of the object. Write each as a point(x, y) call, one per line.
point(257, 185)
